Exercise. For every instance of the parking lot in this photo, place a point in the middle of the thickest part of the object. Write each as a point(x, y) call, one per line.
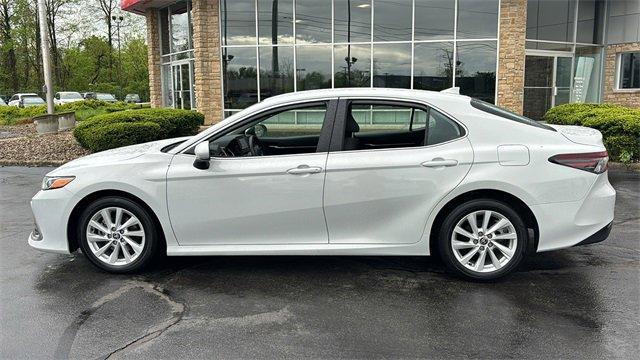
point(581, 303)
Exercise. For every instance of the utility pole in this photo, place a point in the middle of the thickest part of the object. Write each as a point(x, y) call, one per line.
point(118, 20)
point(46, 56)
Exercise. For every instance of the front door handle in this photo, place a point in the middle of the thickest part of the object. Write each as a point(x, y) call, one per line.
point(439, 162)
point(304, 170)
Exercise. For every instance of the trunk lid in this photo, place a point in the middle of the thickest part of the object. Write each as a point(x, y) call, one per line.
point(580, 134)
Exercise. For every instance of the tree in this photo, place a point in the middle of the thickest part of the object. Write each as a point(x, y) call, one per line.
point(7, 46)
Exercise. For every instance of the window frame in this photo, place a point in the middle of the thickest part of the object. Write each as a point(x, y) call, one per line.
point(325, 131)
point(618, 78)
point(339, 127)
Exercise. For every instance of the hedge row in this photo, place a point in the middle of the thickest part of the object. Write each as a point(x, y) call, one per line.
point(83, 109)
point(619, 125)
point(124, 128)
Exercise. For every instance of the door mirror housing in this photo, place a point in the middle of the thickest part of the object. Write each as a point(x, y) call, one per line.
point(203, 156)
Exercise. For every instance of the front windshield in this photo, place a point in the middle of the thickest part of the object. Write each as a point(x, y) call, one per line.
point(105, 97)
point(32, 100)
point(70, 96)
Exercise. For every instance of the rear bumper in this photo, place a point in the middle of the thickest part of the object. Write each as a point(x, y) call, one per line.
point(600, 236)
point(567, 224)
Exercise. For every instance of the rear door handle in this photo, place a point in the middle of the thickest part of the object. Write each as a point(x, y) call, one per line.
point(436, 163)
point(304, 169)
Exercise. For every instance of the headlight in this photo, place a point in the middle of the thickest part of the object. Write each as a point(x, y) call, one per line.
point(56, 182)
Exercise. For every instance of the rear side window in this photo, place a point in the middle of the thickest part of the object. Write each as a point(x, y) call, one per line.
point(506, 114)
point(441, 129)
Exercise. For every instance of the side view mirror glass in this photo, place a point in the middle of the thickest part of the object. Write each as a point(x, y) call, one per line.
point(203, 156)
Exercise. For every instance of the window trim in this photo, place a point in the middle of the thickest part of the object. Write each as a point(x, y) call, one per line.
point(618, 77)
point(339, 128)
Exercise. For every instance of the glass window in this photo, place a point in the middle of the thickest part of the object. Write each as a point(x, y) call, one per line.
point(629, 73)
point(548, 46)
point(180, 27)
point(275, 21)
point(238, 22)
point(352, 65)
point(590, 21)
point(477, 19)
point(550, 20)
point(392, 20)
point(240, 77)
point(352, 20)
point(441, 129)
point(506, 114)
point(476, 69)
point(434, 19)
point(313, 21)
point(164, 31)
point(313, 67)
point(433, 66)
point(586, 78)
point(392, 65)
point(276, 70)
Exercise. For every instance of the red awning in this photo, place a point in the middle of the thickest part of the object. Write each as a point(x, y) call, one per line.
point(139, 6)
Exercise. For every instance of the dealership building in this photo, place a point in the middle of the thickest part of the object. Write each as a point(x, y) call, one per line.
point(220, 56)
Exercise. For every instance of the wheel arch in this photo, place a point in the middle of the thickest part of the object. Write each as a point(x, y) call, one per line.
point(499, 195)
point(82, 204)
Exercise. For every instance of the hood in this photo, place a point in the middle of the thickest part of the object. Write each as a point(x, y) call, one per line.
point(119, 154)
point(580, 134)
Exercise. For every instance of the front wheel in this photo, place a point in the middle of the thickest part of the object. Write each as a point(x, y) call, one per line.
point(117, 235)
point(482, 240)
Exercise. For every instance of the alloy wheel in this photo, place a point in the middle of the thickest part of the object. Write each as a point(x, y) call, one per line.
point(115, 236)
point(484, 241)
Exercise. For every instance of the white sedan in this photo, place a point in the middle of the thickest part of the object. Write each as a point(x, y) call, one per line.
point(338, 172)
point(67, 97)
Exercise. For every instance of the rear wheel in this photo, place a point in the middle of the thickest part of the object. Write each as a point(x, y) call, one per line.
point(482, 240)
point(117, 235)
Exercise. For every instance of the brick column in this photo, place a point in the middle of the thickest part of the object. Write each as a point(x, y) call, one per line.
point(206, 45)
point(153, 55)
point(513, 27)
point(612, 95)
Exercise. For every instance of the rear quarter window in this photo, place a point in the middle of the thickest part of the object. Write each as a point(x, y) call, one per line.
point(506, 114)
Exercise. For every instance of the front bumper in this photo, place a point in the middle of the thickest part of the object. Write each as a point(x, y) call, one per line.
point(51, 210)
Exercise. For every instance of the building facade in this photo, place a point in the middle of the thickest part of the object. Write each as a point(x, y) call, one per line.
point(220, 56)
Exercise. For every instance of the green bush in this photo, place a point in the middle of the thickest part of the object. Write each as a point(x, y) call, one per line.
point(130, 127)
point(619, 125)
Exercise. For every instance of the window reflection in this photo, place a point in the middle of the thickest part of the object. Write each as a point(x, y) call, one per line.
point(590, 21)
point(392, 65)
point(313, 21)
point(434, 19)
point(240, 77)
point(433, 66)
point(179, 28)
point(238, 22)
point(352, 65)
point(477, 19)
point(275, 21)
point(313, 67)
point(476, 69)
point(392, 20)
point(352, 21)
point(276, 70)
point(550, 20)
point(586, 78)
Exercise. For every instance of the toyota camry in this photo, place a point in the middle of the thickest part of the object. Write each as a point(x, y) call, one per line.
point(338, 172)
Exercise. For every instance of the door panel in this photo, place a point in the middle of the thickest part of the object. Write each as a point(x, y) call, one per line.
point(385, 196)
point(250, 200)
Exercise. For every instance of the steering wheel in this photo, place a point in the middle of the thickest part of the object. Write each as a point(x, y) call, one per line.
point(255, 147)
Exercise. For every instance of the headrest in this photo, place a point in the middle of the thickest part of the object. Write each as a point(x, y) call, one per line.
point(352, 125)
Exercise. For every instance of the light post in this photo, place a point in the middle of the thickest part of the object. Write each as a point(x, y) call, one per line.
point(118, 21)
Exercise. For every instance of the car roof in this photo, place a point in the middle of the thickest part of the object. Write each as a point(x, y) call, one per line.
point(433, 97)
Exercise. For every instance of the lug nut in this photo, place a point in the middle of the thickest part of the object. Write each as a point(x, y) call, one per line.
point(113, 229)
point(481, 248)
point(475, 242)
point(121, 231)
point(490, 244)
point(489, 236)
point(108, 236)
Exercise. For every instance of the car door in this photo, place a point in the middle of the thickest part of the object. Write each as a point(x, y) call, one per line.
point(383, 189)
point(256, 200)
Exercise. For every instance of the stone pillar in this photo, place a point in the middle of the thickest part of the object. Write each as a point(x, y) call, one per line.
point(153, 55)
point(612, 95)
point(206, 46)
point(513, 27)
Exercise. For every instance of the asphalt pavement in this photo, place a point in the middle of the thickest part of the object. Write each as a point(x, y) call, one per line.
point(581, 303)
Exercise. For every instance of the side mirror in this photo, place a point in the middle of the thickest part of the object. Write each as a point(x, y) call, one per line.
point(203, 156)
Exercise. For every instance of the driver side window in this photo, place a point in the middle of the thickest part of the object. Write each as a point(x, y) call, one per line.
point(286, 132)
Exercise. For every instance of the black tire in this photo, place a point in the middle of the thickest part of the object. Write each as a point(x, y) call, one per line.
point(150, 249)
point(446, 231)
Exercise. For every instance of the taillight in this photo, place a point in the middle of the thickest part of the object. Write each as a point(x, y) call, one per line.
point(596, 162)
